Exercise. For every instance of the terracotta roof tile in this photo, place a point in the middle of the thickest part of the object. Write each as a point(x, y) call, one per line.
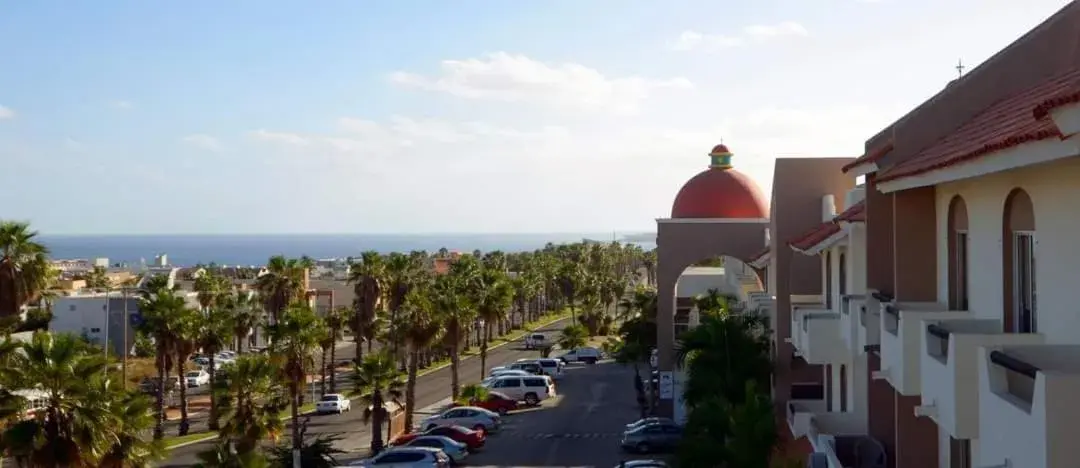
point(1005, 124)
point(1043, 109)
point(854, 214)
point(815, 236)
point(870, 156)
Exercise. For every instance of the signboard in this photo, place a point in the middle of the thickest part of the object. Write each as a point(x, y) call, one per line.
point(667, 385)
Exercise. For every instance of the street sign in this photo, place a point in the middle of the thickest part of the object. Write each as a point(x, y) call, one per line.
point(667, 385)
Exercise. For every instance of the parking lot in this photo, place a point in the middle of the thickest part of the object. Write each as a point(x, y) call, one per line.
point(581, 427)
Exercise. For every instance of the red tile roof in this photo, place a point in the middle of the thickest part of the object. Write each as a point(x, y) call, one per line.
point(815, 236)
point(1043, 109)
point(1005, 124)
point(854, 214)
point(870, 156)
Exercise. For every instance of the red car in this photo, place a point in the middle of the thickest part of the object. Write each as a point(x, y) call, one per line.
point(497, 402)
point(474, 439)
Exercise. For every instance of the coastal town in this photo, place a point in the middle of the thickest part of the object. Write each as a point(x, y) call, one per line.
point(907, 306)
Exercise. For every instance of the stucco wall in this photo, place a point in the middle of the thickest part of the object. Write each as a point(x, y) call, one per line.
point(1055, 194)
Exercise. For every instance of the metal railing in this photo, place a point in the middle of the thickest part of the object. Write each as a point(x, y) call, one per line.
point(1019, 376)
point(937, 341)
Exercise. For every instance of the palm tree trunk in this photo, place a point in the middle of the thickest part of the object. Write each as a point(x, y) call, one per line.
point(322, 372)
point(377, 412)
point(185, 423)
point(358, 357)
point(294, 413)
point(455, 381)
point(483, 351)
point(410, 387)
point(213, 420)
point(159, 404)
point(333, 369)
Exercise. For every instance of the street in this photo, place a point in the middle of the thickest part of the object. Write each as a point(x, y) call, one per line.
point(430, 389)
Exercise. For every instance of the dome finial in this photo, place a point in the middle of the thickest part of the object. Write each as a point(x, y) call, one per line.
point(721, 156)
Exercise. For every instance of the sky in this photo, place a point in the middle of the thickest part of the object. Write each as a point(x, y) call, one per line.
point(410, 116)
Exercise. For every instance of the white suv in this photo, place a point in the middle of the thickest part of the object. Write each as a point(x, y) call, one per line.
point(333, 403)
point(586, 355)
point(531, 390)
point(535, 341)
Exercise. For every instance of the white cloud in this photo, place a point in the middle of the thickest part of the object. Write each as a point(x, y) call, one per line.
point(73, 145)
point(517, 78)
point(786, 28)
point(203, 141)
point(122, 105)
point(690, 40)
point(695, 40)
point(6, 113)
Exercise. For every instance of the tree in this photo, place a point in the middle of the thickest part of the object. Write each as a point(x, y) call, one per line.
point(473, 393)
point(453, 309)
point(24, 267)
point(293, 338)
point(215, 330)
point(245, 316)
point(493, 296)
point(376, 380)
point(160, 311)
point(253, 401)
point(334, 323)
point(421, 329)
point(573, 336)
point(185, 336)
point(319, 453)
point(368, 279)
point(131, 416)
point(283, 284)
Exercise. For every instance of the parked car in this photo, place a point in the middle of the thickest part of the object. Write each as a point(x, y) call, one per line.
point(457, 451)
point(652, 437)
point(150, 384)
point(517, 372)
point(587, 355)
point(197, 378)
point(531, 390)
point(333, 403)
point(551, 367)
point(642, 464)
point(495, 369)
point(478, 419)
point(535, 341)
point(497, 402)
point(530, 366)
point(647, 421)
point(407, 457)
point(474, 439)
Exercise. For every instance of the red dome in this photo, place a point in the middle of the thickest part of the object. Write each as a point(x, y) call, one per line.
point(720, 192)
point(719, 149)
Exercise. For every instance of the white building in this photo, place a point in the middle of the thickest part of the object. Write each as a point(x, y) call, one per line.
point(90, 315)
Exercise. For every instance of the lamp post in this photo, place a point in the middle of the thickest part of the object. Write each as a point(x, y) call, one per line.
point(127, 349)
point(108, 318)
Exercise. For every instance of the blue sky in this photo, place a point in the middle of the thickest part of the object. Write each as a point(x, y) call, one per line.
point(249, 116)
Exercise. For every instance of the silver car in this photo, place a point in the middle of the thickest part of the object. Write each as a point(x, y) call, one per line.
point(652, 437)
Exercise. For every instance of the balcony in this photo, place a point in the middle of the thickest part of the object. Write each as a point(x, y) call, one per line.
point(850, 316)
point(816, 334)
point(806, 400)
point(901, 341)
point(869, 319)
point(839, 439)
point(949, 369)
point(1028, 405)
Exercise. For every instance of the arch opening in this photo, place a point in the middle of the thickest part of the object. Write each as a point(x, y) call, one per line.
point(1018, 258)
point(957, 251)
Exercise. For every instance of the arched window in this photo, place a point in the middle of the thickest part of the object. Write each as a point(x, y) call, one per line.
point(828, 280)
point(1018, 257)
point(958, 254)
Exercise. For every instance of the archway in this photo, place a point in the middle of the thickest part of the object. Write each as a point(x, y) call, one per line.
point(1018, 258)
point(958, 253)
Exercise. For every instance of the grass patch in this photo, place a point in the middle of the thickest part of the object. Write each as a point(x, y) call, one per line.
point(173, 441)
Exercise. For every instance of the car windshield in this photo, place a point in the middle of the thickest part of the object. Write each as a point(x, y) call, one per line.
point(192, 374)
point(329, 398)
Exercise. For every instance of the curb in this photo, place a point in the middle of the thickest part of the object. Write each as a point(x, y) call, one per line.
point(419, 374)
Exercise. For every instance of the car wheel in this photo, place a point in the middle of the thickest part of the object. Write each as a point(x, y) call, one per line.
point(502, 411)
point(643, 447)
point(480, 428)
point(531, 399)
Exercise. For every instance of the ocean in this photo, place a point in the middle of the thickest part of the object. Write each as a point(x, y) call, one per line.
point(187, 250)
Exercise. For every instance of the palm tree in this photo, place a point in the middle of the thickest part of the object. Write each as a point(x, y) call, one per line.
point(573, 336)
point(215, 330)
point(495, 297)
point(76, 426)
point(131, 416)
point(319, 453)
point(283, 284)
point(473, 393)
point(722, 354)
point(252, 401)
point(246, 317)
point(160, 311)
point(376, 380)
point(421, 329)
point(451, 306)
point(334, 321)
point(186, 334)
point(368, 279)
point(212, 289)
point(24, 267)
point(401, 271)
point(293, 338)
point(224, 455)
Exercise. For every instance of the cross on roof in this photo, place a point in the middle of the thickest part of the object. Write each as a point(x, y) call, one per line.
point(960, 68)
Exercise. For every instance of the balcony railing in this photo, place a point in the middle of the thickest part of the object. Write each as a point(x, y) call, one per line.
point(1028, 405)
point(841, 438)
point(949, 370)
point(850, 315)
point(816, 335)
point(901, 348)
point(869, 319)
point(804, 402)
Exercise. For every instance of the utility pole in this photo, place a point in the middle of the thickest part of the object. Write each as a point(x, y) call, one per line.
point(127, 349)
point(108, 318)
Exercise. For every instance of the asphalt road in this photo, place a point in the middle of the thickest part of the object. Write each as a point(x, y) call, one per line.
point(430, 389)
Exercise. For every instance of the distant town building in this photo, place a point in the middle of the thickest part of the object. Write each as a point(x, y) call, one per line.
point(87, 314)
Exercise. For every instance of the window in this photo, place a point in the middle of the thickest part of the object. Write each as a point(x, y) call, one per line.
point(1024, 282)
point(509, 383)
point(95, 330)
point(535, 383)
point(960, 267)
point(71, 307)
point(959, 453)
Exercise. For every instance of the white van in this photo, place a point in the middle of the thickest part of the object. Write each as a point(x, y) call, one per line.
point(535, 341)
point(586, 355)
point(531, 390)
